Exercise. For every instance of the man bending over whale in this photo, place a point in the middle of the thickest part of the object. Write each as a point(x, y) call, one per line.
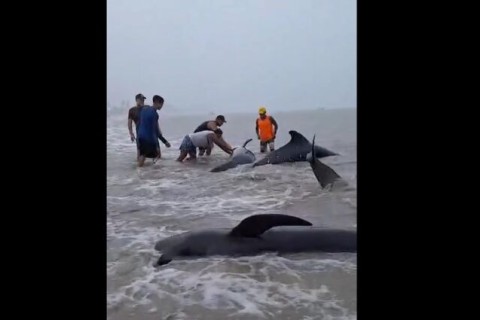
point(204, 139)
point(211, 125)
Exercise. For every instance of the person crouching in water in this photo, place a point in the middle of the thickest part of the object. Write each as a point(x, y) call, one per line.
point(203, 139)
point(211, 125)
point(266, 128)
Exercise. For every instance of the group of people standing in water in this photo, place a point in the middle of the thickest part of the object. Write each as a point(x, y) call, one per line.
point(204, 137)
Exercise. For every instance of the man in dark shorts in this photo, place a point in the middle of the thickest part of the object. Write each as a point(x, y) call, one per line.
point(204, 139)
point(134, 114)
point(149, 132)
point(211, 125)
point(134, 117)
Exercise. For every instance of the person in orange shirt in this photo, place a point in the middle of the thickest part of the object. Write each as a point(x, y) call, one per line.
point(266, 128)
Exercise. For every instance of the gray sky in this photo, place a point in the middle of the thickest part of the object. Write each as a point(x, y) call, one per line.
point(233, 55)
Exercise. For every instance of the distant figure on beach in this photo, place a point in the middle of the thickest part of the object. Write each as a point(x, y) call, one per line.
point(149, 132)
point(266, 128)
point(211, 125)
point(203, 139)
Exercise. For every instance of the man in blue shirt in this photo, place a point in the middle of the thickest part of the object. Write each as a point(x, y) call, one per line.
point(149, 132)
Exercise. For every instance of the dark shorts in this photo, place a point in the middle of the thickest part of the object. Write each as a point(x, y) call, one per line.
point(147, 149)
point(187, 145)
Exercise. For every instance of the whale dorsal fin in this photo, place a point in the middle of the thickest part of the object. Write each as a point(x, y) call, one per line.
point(298, 139)
point(255, 225)
point(246, 142)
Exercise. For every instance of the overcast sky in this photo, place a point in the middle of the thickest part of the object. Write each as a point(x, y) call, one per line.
point(233, 55)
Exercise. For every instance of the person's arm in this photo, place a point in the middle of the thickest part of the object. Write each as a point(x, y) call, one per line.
point(221, 144)
point(130, 126)
point(225, 142)
point(256, 129)
point(276, 126)
point(165, 142)
point(160, 136)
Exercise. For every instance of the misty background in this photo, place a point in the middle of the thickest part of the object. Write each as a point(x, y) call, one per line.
point(232, 56)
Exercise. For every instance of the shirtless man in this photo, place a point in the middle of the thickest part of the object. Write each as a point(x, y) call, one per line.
point(204, 139)
point(134, 117)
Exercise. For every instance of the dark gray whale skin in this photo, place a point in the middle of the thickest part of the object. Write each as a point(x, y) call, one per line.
point(253, 236)
point(239, 156)
point(295, 150)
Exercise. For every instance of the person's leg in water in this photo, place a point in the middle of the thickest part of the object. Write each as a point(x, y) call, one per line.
point(182, 155)
point(141, 160)
point(192, 155)
point(271, 145)
point(159, 153)
point(263, 146)
point(147, 149)
point(185, 148)
point(209, 151)
point(138, 149)
point(201, 151)
point(142, 152)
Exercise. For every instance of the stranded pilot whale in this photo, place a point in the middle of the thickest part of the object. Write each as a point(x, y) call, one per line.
point(295, 150)
point(253, 236)
point(240, 155)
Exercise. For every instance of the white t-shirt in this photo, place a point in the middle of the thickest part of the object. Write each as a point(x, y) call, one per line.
point(199, 139)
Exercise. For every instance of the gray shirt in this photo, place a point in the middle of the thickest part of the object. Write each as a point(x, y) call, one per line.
point(200, 139)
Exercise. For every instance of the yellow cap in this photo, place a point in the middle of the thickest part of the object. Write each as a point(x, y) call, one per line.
point(262, 110)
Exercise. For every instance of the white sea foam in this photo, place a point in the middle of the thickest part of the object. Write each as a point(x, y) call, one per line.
point(259, 286)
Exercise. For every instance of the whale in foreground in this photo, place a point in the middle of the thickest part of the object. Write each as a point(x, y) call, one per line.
point(295, 150)
point(254, 235)
point(239, 156)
